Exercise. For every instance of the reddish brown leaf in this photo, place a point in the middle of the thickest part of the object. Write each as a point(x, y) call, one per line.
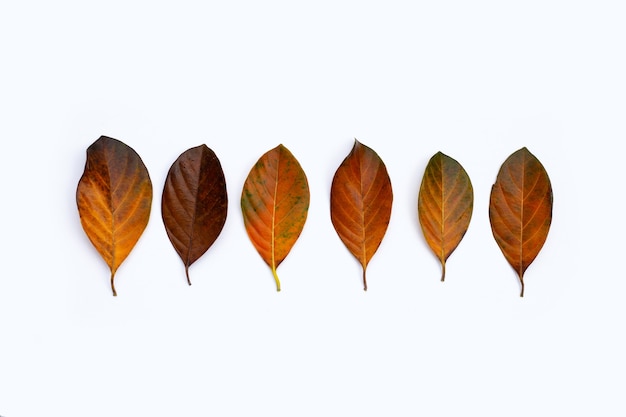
point(194, 203)
point(114, 196)
point(445, 204)
point(520, 210)
point(275, 203)
point(360, 203)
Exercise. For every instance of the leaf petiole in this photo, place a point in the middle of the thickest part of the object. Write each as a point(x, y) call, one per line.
point(276, 279)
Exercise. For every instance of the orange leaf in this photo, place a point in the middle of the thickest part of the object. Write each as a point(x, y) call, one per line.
point(275, 203)
point(114, 196)
point(194, 203)
point(520, 210)
point(360, 203)
point(445, 204)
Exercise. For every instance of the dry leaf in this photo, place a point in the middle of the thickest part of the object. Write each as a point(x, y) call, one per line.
point(275, 203)
point(520, 210)
point(360, 203)
point(114, 196)
point(445, 203)
point(194, 203)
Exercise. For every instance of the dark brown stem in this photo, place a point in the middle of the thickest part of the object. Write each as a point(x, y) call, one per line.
point(187, 273)
point(364, 281)
point(443, 270)
point(113, 284)
point(522, 281)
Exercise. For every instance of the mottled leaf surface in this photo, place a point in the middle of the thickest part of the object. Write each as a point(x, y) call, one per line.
point(360, 203)
point(114, 197)
point(445, 204)
point(194, 203)
point(520, 210)
point(275, 203)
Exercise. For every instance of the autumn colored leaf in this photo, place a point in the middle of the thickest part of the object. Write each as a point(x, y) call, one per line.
point(360, 203)
point(114, 196)
point(520, 210)
point(275, 203)
point(445, 204)
point(194, 203)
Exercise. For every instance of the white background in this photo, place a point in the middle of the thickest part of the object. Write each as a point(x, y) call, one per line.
point(476, 80)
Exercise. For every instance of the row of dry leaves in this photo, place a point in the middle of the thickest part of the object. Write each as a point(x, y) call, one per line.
point(114, 197)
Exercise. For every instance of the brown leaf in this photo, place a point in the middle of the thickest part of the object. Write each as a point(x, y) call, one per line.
point(114, 197)
point(445, 204)
point(194, 203)
point(360, 203)
point(275, 203)
point(520, 210)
